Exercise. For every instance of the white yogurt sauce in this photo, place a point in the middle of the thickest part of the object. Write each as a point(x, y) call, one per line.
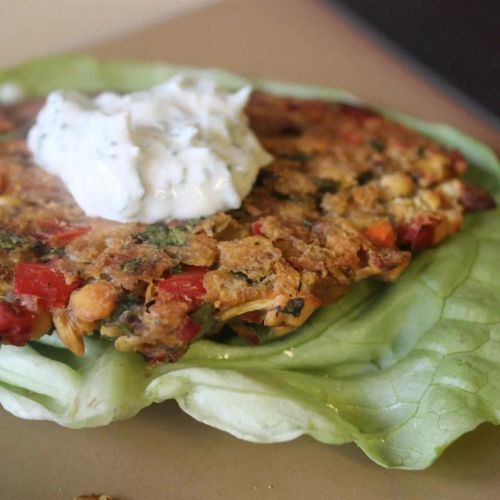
point(180, 150)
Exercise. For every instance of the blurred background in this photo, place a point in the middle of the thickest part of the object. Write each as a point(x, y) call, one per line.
point(455, 42)
point(39, 27)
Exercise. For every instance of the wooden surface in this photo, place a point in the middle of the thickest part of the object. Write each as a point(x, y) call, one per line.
point(162, 453)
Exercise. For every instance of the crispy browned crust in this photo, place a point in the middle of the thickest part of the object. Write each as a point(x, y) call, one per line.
point(302, 237)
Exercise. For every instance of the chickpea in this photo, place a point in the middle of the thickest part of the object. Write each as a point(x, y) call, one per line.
point(69, 335)
point(94, 301)
point(397, 184)
point(433, 167)
point(41, 325)
point(128, 344)
point(430, 199)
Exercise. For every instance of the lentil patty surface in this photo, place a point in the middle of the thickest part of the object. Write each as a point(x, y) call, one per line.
point(350, 195)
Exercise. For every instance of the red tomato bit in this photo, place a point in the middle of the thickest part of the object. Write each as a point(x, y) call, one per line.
point(16, 324)
point(417, 235)
point(187, 285)
point(256, 228)
point(40, 280)
point(59, 233)
point(188, 331)
point(476, 199)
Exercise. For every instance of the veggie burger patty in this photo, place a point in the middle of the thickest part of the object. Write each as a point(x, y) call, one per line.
point(350, 195)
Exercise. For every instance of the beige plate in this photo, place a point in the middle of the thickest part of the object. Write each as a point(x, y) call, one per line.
point(162, 453)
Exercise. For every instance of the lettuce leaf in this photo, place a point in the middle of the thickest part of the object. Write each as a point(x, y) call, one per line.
point(402, 370)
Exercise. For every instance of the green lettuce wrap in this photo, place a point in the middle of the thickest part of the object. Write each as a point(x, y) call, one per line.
point(401, 369)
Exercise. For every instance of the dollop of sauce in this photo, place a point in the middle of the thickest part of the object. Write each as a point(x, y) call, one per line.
point(180, 150)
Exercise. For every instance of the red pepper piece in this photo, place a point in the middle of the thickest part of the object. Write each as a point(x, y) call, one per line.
point(187, 285)
point(16, 324)
point(188, 331)
point(417, 235)
point(59, 233)
point(256, 228)
point(40, 280)
point(476, 199)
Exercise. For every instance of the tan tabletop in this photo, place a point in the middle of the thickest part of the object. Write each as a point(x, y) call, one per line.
point(162, 453)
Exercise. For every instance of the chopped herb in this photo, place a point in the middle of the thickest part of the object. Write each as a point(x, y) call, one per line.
point(365, 177)
point(230, 168)
point(294, 307)
point(60, 252)
point(178, 269)
point(308, 223)
point(131, 265)
point(249, 280)
point(243, 276)
point(39, 249)
point(126, 303)
point(264, 333)
point(258, 329)
point(193, 222)
point(204, 316)
point(421, 152)
point(41, 139)
point(325, 185)
point(125, 329)
point(377, 145)
point(163, 236)
point(281, 196)
point(149, 304)
point(10, 241)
